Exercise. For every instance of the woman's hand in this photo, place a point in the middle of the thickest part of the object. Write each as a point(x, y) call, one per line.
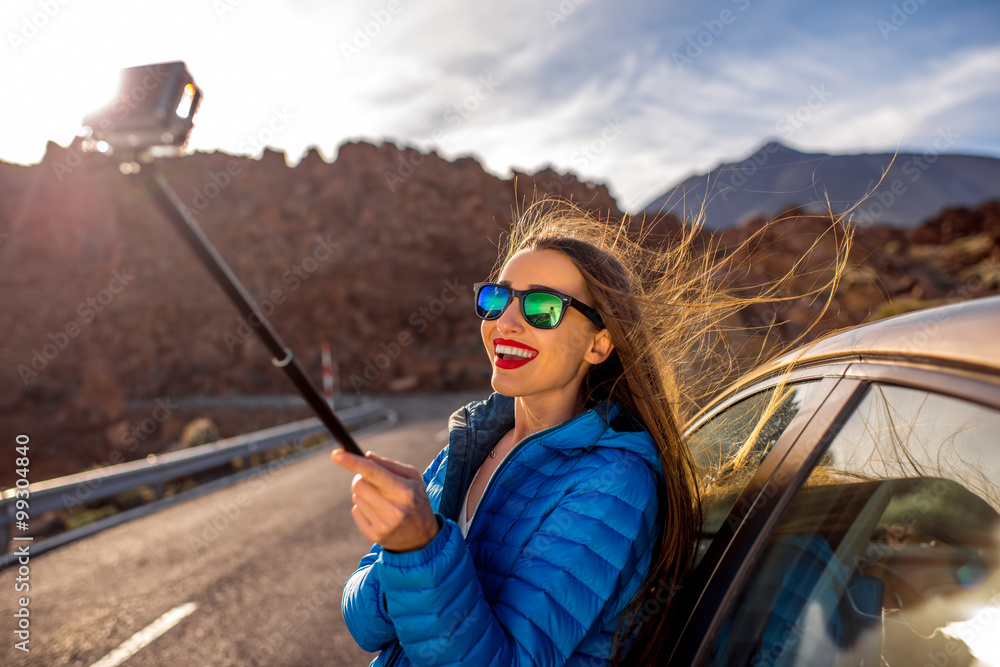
point(391, 507)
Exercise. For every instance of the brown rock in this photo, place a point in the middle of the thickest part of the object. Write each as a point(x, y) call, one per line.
point(114, 434)
point(405, 383)
point(200, 431)
point(100, 394)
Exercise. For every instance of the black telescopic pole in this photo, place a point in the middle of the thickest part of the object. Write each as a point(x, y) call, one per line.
point(189, 230)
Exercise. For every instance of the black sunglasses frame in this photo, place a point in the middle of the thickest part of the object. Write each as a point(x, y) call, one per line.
point(567, 301)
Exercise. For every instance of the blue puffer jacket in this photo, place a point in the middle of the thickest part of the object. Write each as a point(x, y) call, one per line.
point(559, 545)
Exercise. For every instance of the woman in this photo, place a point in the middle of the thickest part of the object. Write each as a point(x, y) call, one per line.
point(567, 498)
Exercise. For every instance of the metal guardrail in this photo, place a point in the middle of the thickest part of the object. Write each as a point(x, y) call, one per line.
point(156, 470)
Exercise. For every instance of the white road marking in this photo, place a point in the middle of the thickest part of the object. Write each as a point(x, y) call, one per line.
point(140, 639)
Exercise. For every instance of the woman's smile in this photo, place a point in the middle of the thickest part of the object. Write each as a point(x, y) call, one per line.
point(509, 354)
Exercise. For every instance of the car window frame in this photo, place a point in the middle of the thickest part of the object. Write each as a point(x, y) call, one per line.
point(734, 553)
point(701, 598)
point(947, 381)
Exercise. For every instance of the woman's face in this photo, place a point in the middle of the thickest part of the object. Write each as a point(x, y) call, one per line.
point(557, 359)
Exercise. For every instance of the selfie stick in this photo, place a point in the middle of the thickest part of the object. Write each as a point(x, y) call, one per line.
point(159, 122)
point(188, 228)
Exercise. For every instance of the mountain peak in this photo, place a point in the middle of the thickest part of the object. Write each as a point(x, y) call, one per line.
point(775, 146)
point(775, 177)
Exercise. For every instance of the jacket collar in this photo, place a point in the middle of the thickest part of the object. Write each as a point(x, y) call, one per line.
point(475, 429)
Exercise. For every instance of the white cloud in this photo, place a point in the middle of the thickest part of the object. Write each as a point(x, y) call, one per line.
point(905, 111)
point(415, 75)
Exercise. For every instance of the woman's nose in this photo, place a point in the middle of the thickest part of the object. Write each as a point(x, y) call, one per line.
point(511, 319)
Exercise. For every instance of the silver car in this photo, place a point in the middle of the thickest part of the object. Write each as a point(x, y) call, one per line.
point(851, 502)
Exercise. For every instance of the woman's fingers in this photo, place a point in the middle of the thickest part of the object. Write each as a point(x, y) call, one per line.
point(383, 493)
point(402, 489)
point(375, 498)
point(384, 473)
point(372, 512)
point(352, 462)
point(394, 526)
point(390, 503)
point(364, 524)
point(401, 469)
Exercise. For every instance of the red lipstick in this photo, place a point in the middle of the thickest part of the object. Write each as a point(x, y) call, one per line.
point(510, 354)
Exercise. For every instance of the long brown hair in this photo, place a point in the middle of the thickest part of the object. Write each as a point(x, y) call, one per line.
point(665, 308)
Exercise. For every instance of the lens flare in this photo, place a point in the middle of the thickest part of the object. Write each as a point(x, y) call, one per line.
point(187, 98)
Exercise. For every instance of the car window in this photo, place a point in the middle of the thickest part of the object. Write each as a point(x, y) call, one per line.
point(901, 432)
point(730, 446)
point(890, 554)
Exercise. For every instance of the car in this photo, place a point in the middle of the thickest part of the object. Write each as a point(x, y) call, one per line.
point(850, 502)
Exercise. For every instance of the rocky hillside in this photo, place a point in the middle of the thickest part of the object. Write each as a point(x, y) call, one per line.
point(375, 252)
point(952, 257)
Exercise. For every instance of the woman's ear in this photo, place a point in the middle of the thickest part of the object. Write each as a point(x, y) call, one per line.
point(600, 349)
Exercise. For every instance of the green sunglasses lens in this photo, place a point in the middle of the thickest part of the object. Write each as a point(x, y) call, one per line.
point(542, 310)
point(491, 301)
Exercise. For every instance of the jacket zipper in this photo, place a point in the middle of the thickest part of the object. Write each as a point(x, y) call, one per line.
point(397, 650)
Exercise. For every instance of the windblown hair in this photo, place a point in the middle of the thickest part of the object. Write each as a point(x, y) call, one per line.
point(665, 307)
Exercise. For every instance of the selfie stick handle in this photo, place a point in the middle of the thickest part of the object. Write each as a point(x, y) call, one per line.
point(189, 230)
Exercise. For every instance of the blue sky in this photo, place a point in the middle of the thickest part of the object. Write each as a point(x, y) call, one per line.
point(634, 94)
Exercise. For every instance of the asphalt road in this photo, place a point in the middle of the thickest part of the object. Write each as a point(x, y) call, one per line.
point(248, 575)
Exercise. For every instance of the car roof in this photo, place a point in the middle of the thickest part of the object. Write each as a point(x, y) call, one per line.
point(963, 335)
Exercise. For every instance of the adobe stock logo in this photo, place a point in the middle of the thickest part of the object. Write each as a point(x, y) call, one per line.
point(880, 201)
point(363, 35)
point(219, 181)
point(589, 152)
point(293, 277)
point(60, 340)
point(565, 9)
point(788, 124)
point(454, 116)
point(125, 104)
point(223, 7)
point(420, 319)
point(899, 17)
point(700, 42)
point(31, 25)
point(148, 426)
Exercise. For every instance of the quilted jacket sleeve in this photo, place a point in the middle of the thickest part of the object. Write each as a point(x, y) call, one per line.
point(363, 602)
point(575, 575)
point(364, 613)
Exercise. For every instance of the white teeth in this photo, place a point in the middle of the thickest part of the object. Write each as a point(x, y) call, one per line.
point(516, 351)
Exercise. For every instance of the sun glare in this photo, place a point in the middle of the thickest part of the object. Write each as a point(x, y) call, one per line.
point(981, 634)
point(55, 98)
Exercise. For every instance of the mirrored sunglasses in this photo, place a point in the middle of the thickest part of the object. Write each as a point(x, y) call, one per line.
point(541, 308)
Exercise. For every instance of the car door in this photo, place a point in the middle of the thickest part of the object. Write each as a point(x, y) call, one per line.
point(870, 519)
